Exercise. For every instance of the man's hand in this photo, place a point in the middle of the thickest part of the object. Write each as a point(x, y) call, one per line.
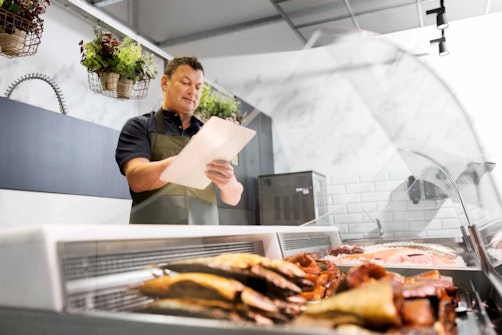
point(222, 174)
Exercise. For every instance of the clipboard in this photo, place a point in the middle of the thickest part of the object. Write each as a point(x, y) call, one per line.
point(218, 139)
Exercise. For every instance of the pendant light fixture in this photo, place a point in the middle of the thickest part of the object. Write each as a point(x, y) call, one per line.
point(441, 24)
point(443, 50)
point(441, 20)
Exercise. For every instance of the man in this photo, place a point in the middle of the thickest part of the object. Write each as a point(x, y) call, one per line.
point(149, 143)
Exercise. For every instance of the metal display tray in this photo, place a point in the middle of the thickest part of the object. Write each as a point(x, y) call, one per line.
point(476, 293)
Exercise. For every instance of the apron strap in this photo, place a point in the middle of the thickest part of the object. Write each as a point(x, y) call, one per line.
point(159, 119)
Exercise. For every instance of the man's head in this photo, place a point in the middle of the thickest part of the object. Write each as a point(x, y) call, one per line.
point(182, 85)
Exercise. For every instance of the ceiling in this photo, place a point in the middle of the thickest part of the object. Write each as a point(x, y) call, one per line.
point(278, 24)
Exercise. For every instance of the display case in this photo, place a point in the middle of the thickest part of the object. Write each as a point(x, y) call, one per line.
point(403, 162)
point(82, 278)
point(403, 167)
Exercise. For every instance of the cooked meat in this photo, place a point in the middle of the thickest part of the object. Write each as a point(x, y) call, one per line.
point(372, 306)
point(208, 287)
point(323, 273)
point(418, 313)
point(212, 309)
point(278, 278)
point(346, 249)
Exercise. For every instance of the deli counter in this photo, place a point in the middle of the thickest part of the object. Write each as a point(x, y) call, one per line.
point(404, 170)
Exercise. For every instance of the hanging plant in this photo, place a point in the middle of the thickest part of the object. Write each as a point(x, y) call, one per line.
point(28, 14)
point(21, 26)
point(215, 103)
point(124, 71)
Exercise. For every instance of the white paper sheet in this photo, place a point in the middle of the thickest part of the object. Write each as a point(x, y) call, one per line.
point(217, 139)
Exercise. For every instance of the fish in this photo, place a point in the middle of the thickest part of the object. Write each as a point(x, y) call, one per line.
point(208, 287)
point(278, 278)
point(207, 309)
point(397, 255)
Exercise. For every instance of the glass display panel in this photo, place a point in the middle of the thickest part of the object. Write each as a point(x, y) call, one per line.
point(401, 158)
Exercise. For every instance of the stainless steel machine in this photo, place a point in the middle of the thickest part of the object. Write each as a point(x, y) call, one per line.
point(292, 198)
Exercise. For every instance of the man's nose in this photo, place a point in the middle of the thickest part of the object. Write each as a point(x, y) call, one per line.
point(192, 89)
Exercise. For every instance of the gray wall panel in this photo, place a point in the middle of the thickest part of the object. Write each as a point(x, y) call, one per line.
point(45, 151)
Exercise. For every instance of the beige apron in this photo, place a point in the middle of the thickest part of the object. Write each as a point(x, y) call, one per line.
point(173, 204)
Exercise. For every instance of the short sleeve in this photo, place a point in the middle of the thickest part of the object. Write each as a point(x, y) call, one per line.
point(133, 142)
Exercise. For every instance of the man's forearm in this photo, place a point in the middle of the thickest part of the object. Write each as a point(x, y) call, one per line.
point(144, 175)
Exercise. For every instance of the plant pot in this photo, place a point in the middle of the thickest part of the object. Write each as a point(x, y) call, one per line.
point(102, 78)
point(108, 80)
point(12, 44)
point(124, 88)
point(111, 81)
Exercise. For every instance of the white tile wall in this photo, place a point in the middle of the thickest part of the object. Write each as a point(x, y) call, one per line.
point(354, 208)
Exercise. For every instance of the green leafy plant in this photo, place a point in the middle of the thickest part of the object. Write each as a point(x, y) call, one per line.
point(100, 54)
point(146, 67)
point(108, 54)
point(214, 103)
point(128, 54)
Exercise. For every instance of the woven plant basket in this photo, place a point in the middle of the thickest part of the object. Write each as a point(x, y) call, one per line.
point(18, 36)
point(139, 89)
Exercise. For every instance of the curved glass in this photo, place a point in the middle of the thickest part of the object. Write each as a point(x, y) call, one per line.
point(399, 153)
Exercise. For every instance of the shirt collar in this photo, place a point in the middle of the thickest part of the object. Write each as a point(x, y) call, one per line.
point(172, 116)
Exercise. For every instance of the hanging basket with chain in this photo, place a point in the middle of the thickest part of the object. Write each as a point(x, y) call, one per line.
point(19, 36)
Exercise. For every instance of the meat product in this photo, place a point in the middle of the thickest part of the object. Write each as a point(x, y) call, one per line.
point(418, 312)
point(208, 287)
point(371, 306)
point(397, 255)
point(278, 278)
point(383, 301)
point(323, 273)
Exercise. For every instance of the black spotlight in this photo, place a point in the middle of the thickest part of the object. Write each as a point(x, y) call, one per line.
point(443, 50)
point(441, 20)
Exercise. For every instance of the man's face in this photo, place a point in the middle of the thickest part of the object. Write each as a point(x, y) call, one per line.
point(182, 91)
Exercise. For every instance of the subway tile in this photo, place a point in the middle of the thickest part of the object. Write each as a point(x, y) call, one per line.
point(360, 188)
point(348, 218)
point(446, 213)
point(368, 177)
point(375, 196)
point(363, 228)
point(361, 208)
point(335, 189)
point(394, 227)
point(337, 209)
point(389, 186)
point(407, 215)
point(344, 199)
point(396, 206)
point(451, 223)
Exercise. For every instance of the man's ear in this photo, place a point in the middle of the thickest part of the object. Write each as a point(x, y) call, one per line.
point(163, 81)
